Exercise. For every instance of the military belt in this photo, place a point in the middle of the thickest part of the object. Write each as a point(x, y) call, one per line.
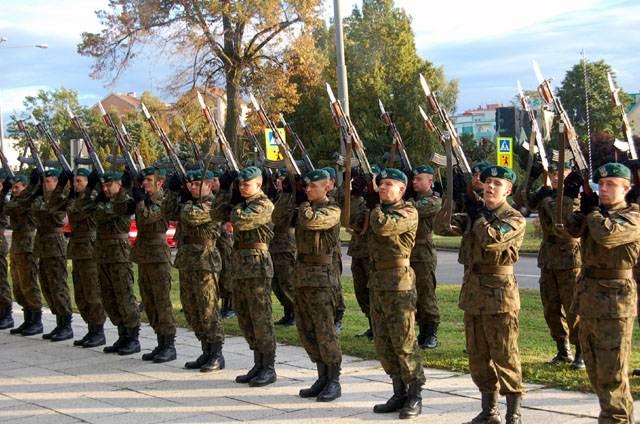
point(83, 234)
point(152, 237)
point(124, 236)
point(259, 246)
point(608, 274)
point(316, 259)
point(198, 240)
point(493, 269)
point(59, 230)
point(392, 263)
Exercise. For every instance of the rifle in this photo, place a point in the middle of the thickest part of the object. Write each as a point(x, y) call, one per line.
point(171, 151)
point(35, 159)
point(536, 144)
point(91, 148)
point(5, 165)
point(626, 128)
point(121, 141)
point(397, 144)
point(55, 145)
point(251, 136)
point(225, 148)
point(139, 161)
point(305, 157)
point(194, 146)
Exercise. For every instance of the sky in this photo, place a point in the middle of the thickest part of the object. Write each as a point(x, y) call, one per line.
point(487, 46)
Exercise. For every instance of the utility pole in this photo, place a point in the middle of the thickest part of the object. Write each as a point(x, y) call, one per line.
point(341, 68)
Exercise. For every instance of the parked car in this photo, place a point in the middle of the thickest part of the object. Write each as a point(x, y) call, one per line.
point(133, 232)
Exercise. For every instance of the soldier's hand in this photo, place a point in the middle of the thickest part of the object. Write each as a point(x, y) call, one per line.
point(572, 184)
point(6, 185)
point(127, 180)
point(301, 196)
point(64, 178)
point(286, 185)
point(138, 193)
point(373, 200)
point(236, 197)
point(589, 202)
point(174, 183)
point(186, 196)
point(473, 207)
point(92, 180)
point(34, 177)
point(633, 196)
point(459, 183)
point(359, 185)
point(543, 192)
point(227, 179)
point(536, 170)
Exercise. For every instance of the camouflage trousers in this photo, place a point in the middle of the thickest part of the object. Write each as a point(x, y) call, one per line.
point(5, 289)
point(53, 283)
point(155, 290)
point(315, 309)
point(252, 304)
point(394, 334)
point(360, 272)
point(427, 305)
point(556, 292)
point(116, 288)
point(494, 358)
point(86, 291)
point(199, 297)
point(606, 346)
point(340, 306)
point(284, 264)
point(225, 280)
point(24, 277)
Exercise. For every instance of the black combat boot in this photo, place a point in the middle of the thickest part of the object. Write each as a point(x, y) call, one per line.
point(267, 372)
point(149, 356)
point(80, 342)
point(122, 335)
point(168, 351)
point(227, 308)
point(131, 343)
point(319, 384)
point(338, 320)
point(95, 337)
point(50, 334)
point(332, 389)
point(6, 319)
point(513, 408)
point(65, 332)
point(215, 360)
point(395, 402)
point(413, 405)
point(35, 324)
point(578, 360)
point(27, 317)
point(422, 334)
point(288, 319)
point(194, 365)
point(490, 413)
point(431, 336)
point(563, 355)
point(257, 364)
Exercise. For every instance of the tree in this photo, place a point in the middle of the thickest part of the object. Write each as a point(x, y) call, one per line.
point(264, 45)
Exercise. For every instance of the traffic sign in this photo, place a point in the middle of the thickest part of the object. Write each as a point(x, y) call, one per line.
point(504, 148)
point(505, 159)
point(271, 146)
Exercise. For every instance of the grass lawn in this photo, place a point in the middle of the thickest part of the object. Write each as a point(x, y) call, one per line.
point(535, 343)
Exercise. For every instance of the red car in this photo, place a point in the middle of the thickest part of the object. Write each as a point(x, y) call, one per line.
point(133, 232)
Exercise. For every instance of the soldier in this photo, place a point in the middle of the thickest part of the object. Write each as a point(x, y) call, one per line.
point(50, 247)
point(199, 264)
point(24, 267)
point(224, 244)
point(392, 286)
point(606, 292)
point(559, 262)
point(476, 181)
point(153, 257)
point(115, 274)
point(424, 259)
point(283, 249)
point(252, 274)
point(6, 301)
point(81, 248)
point(315, 299)
point(337, 197)
point(493, 231)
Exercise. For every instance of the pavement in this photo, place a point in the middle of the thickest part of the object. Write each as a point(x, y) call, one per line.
point(45, 382)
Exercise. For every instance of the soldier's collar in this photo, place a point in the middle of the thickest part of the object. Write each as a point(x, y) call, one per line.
point(504, 206)
point(387, 206)
point(616, 207)
point(255, 196)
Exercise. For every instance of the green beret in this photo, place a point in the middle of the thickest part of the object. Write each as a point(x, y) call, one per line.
point(282, 172)
point(53, 172)
point(479, 167)
point(3, 174)
point(196, 175)
point(331, 171)
point(497, 171)
point(423, 169)
point(150, 170)
point(22, 179)
point(82, 172)
point(553, 166)
point(393, 174)
point(110, 176)
point(375, 169)
point(317, 175)
point(216, 173)
point(249, 173)
point(612, 169)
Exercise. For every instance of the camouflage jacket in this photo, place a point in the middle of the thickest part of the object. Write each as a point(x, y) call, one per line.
point(316, 243)
point(428, 204)
point(198, 233)
point(358, 228)
point(49, 211)
point(81, 211)
point(494, 239)
point(22, 222)
point(440, 227)
point(113, 220)
point(284, 234)
point(4, 223)
point(151, 243)
point(391, 239)
point(610, 244)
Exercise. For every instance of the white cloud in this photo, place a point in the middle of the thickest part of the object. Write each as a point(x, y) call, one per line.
point(11, 98)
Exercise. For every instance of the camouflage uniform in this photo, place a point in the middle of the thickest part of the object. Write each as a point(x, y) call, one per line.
point(283, 252)
point(6, 300)
point(359, 251)
point(338, 197)
point(605, 300)
point(424, 261)
point(224, 244)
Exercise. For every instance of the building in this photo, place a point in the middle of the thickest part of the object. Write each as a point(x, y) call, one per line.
point(633, 113)
point(480, 122)
point(122, 103)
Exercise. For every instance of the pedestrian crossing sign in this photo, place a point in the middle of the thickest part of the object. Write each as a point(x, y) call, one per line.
point(504, 148)
point(271, 145)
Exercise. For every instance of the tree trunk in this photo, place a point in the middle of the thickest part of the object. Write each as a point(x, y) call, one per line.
point(232, 113)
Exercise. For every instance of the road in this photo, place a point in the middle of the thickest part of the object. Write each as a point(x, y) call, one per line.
point(449, 271)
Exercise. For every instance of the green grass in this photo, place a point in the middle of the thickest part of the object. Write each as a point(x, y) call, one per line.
point(536, 346)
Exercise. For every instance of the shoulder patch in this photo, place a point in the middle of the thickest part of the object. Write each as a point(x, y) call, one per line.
point(505, 228)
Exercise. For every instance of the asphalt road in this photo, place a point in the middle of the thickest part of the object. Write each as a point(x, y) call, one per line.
point(449, 271)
